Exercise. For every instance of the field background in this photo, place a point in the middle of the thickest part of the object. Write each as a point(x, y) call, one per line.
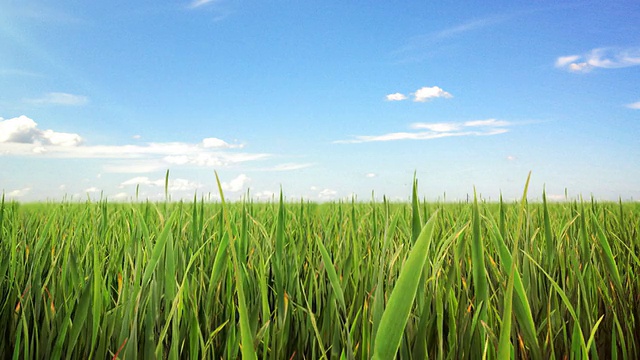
point(297, 279)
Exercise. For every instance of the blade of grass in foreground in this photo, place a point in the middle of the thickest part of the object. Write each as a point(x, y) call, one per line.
point(248, 351)
point(504, 344)
point(395, 316)
point(478, 267)
point(333, 276)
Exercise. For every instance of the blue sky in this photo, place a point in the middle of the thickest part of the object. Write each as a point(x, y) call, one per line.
point(324, 99)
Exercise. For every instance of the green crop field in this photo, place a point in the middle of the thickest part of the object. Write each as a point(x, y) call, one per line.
point(302, 280)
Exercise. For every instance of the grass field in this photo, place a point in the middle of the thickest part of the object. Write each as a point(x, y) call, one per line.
point(296, 280)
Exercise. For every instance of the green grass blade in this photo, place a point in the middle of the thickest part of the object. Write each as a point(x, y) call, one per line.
point(395, 316)
point(248, 350)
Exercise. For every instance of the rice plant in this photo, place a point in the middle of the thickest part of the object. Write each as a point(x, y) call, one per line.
point(293, 279)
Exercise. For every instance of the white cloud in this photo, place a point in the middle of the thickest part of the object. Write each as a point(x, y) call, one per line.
point(605, 58)
point(59, 98)
point(437, 127)
point(21, 137)
point(511, 158)
point(439, 130)
point(327, 194)
point(18, 192)
point(289, 167)
point(236, 184)
point(371, 175)
point(396, 97)
point(183, 185)
point(635, 105)
point(566, 60)
point(92, 189)
point(178, 160)
point(174, 184)
point(142, 180)
point(425, 94)
point(24, 130)
point(218, 144)
point(134, 166)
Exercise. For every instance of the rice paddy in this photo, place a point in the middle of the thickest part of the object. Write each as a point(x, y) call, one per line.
point(293, 279)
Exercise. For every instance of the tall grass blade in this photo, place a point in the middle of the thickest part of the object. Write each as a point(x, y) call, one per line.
point(395, 316)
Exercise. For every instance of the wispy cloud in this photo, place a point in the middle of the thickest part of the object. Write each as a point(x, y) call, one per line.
point(605, 58)
point(418, 47)
point(290, 166)
point(429, 38)
point(22, 137)
point(198, 3)
point(438, 130)
point(59, 98)
point(635, 105)
point(467, 27)
point(18, 72)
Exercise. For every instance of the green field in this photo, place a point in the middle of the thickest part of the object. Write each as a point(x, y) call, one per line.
point(302, 280)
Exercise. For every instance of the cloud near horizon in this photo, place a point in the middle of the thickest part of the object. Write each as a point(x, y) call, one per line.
point(438, 130)
point(605, 58)
point(21, 137)
point(173, 185)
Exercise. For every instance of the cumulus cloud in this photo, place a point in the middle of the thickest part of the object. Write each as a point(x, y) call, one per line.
point(21, 137)
point(24, 130)
point(59, 98)
point(425, 94)
point(635, 105)
point(439, 130)
point(396, 97)
point(605, 58)
point(371, 175)
point(92, 189)
point(236, 184)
